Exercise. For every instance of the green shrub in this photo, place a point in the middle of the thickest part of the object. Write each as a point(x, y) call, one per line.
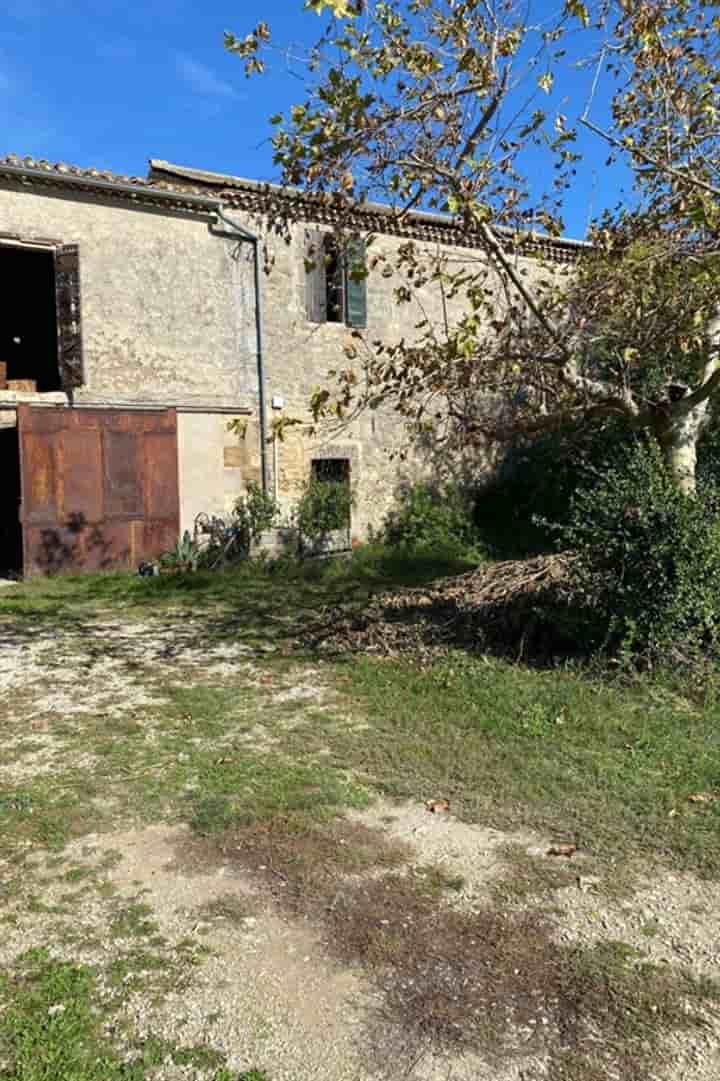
point(430, 519)
point(254, 513)
point(186, 554)
point(535, 485)
point(324, 507)
point(648, 559)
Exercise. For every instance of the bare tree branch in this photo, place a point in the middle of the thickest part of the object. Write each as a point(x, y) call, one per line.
point(496, 249)
point(483, 122)
point(636, 151)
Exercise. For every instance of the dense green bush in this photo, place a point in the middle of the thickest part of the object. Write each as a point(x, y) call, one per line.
point(535, 485)
point(430, 518)
point(254, 513)
point(648, 564)
point(324, 507)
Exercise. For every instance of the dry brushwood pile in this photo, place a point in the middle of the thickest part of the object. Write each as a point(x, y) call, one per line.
point(506, 604)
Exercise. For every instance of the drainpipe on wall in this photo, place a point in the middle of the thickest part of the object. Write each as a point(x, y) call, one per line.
point(244, 234)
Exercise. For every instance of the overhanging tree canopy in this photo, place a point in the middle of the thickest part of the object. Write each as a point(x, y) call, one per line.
point(437, 104)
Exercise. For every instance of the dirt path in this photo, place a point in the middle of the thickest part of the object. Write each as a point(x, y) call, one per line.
point(117, 732)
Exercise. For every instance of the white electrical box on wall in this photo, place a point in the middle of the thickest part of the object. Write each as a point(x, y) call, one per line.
point(278, 402)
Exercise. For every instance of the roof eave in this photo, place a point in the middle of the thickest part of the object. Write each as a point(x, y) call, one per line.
point(138, 193)
point(231, 185)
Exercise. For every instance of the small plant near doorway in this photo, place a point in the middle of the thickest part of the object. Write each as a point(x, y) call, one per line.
point(185, 556)
point(255, 513)
point(325, 506)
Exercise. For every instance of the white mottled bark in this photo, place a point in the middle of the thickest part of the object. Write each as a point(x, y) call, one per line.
point(679, 445)
point(679, 435)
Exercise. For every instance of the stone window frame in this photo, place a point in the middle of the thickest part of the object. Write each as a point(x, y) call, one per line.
point(345, 452)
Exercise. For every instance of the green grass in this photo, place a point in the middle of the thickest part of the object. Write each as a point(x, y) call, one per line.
point(607, 766)
point(48, 810)
point(254, 590)
point(559, 752)
point(51, 1029)
point(198, 768)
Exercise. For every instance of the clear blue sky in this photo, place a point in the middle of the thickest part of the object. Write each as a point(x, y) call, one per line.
point(111, 83)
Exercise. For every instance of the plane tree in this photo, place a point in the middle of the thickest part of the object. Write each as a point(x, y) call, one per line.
point(470, 108)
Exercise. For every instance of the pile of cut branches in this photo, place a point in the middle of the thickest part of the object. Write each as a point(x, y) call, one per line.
point(515, 606)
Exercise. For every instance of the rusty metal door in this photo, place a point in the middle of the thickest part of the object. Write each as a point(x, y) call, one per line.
point(99, 487)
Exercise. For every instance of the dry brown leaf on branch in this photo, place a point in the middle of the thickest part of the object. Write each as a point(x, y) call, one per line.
point(437, 806)
point(565, 849)
point(702, 797)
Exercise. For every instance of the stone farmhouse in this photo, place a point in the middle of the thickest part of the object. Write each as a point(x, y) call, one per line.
point(139, 319)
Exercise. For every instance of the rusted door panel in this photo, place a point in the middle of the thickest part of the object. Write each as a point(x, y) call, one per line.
point(78, 480)
point(106, 546)
point(50, 550)
point(40, 489)
point(158, 536)
point(99, 487)
point(161, 476)
point(122, 480)
point(36, 450)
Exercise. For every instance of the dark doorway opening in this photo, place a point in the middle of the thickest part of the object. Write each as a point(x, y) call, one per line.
point(28, 319)
point(332, 495)
point(11, 556)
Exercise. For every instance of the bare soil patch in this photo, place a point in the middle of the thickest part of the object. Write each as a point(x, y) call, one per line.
point(483, 981)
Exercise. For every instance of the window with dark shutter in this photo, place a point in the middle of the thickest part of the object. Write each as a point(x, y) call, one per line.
point(28, 320)
point(67, 303)
point(315, 277)
point(355, 284)
point(335, 281)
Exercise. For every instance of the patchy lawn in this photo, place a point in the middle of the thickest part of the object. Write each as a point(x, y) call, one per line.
point(216, 861)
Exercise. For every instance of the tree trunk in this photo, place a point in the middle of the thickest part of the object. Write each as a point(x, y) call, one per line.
point(678, 439)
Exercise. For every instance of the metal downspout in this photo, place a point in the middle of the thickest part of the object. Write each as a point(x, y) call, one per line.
point(253, 239)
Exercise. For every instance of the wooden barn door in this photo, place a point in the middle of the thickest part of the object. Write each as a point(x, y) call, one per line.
point(99, 487)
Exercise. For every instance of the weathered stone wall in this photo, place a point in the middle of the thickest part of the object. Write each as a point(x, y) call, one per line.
point(299, 355)
point(215, 464)
point(168, 317)
point(165, 308)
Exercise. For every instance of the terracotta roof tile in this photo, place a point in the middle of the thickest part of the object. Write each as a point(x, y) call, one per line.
point(195, 189)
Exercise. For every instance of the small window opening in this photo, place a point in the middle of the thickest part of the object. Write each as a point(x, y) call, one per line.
point(10, 529)
point(28, 319)
point(334, 283)
point(331, 470)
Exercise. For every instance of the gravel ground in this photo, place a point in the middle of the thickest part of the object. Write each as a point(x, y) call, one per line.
point(263, 990)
